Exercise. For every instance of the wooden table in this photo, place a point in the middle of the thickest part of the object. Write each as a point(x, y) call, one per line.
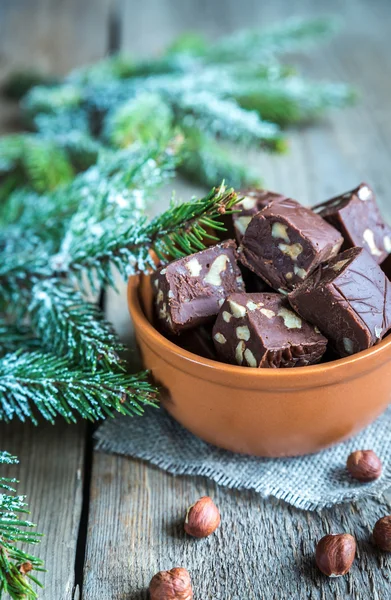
point(110, 523)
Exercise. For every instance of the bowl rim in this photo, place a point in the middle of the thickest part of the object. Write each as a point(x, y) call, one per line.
point(327, 372)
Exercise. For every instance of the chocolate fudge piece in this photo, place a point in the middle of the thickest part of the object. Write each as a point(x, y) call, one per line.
point(385, 267)
point(198, 341)
point(349, 299)
point(190, 291)
point(262, 331)
point(253, 283)
point(253, 201)
point(285, 242)
point(357, 216)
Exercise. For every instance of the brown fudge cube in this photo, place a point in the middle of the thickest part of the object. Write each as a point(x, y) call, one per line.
point(262, 331)
point(198, 341)
point(349, 299)
point(253, 201)
point(357, 216)
point(190, 290)
point(285, 242)
point(253, 283)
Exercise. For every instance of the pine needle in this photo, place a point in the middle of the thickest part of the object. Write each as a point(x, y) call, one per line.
point(16, 566)
point(37, 383)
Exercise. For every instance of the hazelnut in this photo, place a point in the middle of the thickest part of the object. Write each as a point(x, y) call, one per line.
point(364, 465)
point(382, 533)
point(335, 554)
point(171, 585)
point(202, 518)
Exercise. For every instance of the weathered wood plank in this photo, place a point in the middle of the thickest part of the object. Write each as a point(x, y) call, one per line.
point(51, 475)
point(263, 550)
point(53, 36)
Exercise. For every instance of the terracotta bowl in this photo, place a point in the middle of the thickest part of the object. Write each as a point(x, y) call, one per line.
point(263, 412)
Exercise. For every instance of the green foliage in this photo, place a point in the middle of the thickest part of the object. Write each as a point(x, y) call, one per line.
point(190, 44)
point(37, 383)
point(36, 162)
point(224, 118)
point(292, 100)
point(44, 99)
point(16, 566)
point(12, 337)
point(203, 158)
point(118, 66)
point(17, 84)
point(287, 36)
point(234, 88)
point(144, 118)
point(178, 231)
point(67, 325)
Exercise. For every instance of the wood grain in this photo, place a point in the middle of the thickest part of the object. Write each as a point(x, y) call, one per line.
point(51, 475)
point(263, 549)
point(53, 36)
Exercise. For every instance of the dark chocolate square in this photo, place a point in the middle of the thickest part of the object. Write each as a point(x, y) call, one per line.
point(253, 201)
point(349, 300)
point(356, 215)
point(262, 331)
point(285, 242)
point(190, 290)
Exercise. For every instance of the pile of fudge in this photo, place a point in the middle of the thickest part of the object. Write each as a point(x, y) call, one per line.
point(298, 285)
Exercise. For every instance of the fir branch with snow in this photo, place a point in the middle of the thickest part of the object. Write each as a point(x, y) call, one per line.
point(235, 88)
point(17, 567)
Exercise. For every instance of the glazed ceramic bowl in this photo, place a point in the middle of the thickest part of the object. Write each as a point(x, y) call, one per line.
point(264, 412)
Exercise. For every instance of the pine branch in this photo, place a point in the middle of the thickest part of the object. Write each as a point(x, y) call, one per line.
point(144, 118)
point(67, 325)
point(16, 566)
point(225, 118)
point(118, 66)
point(38, 162)
point(82, 149)
point(36, 383)
point(292, 100)
point(177, 232)
point(205, 161)
point(13, 337)
point(75, 121)
point(117, 187)
point(59, 98)
point(129, 246)
point(259, 44)
point(17, 84)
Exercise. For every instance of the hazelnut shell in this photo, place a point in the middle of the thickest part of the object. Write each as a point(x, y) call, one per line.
point(202, 518)
point(382, 533)
point(335, 554)
point(364, 465)
point(171, 585)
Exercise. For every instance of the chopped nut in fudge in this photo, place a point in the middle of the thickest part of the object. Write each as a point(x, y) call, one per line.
point(253, 201)
point(285, 242)
point(356, 215)
point(190, 290)
point(349, 300)
point(262, 331)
